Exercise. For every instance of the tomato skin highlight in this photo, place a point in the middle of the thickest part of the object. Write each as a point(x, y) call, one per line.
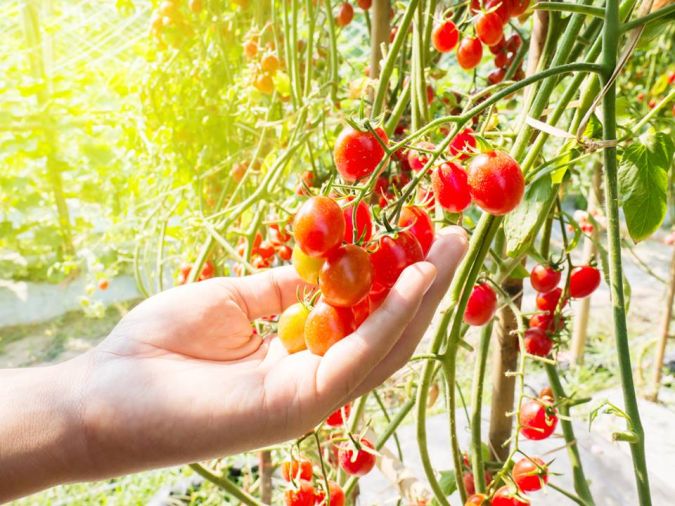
point(537, 419)
point(291, 328)
point(469, 53)
point(507, 497)
point(496, 181)
point(451, 187)
point(346, 276)
point(296, 470)
point(357, 154)
point(338, 417)
point(536, 342)
point(394, 253)
point(325, 326)
point(584, 280)
point(419, 223)
point(319, 226)
point(445, 37)
point(544, 278)
point(307, 267)
point(530, 474)
point(490, 28)
point(356, 462)
point(481, 305)
point(364, 222)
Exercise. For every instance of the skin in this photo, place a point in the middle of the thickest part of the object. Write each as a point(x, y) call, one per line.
point(182, 378)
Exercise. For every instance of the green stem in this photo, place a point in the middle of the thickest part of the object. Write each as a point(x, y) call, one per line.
point(658, 14)
point(226, 485)
point(589, 10)
point(332, 52)
point(476, 405)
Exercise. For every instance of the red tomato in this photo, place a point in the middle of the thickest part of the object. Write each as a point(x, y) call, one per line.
point(337, 495)
point(490, 28)
point(265, 250)
point(463, 144)
point(503, 9)
point(361, 311)
point(357, 462)
point(537, 342)
point(470, 484)
point(451, 187)
point(544, 278)
point(530, 474)
point(496, 181)
point(285, 253)
point(392, 256)
point(291, 328)
point(481, 306)
point(319, 226)
point(364, 222)
point(376, 297)
point(365, 5)
point(338, 417)
point(445, 37)
point(507, 497)
point(476, 500)
point(546, 392)
point(496, 76)
point(543, 321)
point(513, 43)
point(357, 154)
point(469, 53)
point(537, 419)
point(296, 470)
point(549, 301)
point(345, 14)
point(518, 7)
point(346, 276)
point(419, 224)
point(103, 284)
point(304, 495)
point(584, 281)
point(325, 326)
point(418, 159)
point(502, 61)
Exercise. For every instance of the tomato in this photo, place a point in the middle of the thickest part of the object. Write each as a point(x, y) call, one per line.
point(357, 462)
point(496, 76)
point(500, 7)
point(418, 159)
point(346, 276)
point(376, 297)
point(518, 7)
point(304, 495)
point(543, 321)
point(469, 53)
point(365, 5)
point(476, 500)
point(338, 417)
point(291, 328)
point(502, 61)
point(195, 6)
point(537, 419)
point(278, 235)
point(270, 63)
point(584, 281)
point(250, 48)
point(361, 311)
point(364, 222)
point(392, 255)
point(325, 326)
point(445, 37)
point(496, 181)
point(307, 267)
point(337, 495)
point(103, 284)
point(265, 250)
point(418, 223)
point(463, 144)
point(530, 474)
point(490, 28)
point(507, 497)
point(481, 306)
point(430, 94)
point(357, 153)
point(345, 14)
point(549, 301)
point(546, 392)
point(513, 43)
point(470, 484)
point(451, 187)
point(536, 342)
point(319, 226)
point(296, 470)
point(544, 278)
point(285, 253)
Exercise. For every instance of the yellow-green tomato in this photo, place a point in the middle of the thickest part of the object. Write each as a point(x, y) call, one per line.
point(292, 327)
point(308, 267)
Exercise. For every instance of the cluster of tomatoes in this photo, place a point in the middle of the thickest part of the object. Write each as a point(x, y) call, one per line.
point(208, 271)
point(170, 18)
point(345, 12)
point(265, 63)
point(265, 251)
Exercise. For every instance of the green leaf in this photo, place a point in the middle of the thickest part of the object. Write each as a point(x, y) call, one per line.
point(522, 225)
point(448, 483)
point(643, 184)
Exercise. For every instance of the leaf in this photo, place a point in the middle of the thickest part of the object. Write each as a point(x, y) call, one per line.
point(448, 483)
point(522, 225)
point(643, 184)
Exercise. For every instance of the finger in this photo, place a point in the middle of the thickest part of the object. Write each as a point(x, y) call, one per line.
point(348, 362)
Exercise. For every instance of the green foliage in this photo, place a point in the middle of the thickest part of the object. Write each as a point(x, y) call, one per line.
point(523, 224)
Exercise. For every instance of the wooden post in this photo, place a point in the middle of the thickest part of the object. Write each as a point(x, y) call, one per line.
point(379, 34)
point(265, 469)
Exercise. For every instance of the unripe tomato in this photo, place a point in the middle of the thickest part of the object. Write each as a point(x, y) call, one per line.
point(307, 267)
point(264, 84)
point(250, 48)
point(584, 281)
point(530, 474)
point(544, 278)
point(319, 226)
point(451, 187)
point(496, 181)
point(291, 328)
point(537, 419)
point(337, 495)
point(393, 254)
point(518, 7)
point(346, 276)
point(536, 342)
point(270, 63)
point(418, 159)
point(490, 28)
point(418, 223)
point(364, 222)
point(469, 53)
point(365, 5)
point(507, 497)
point(296, 470)
point(463, 145)
point(304, 495)
point(338, 417)
point(345, 14)
point(445, 37)
point(325, 326)
point(357, 154)
point(481, 305)
point(549, 301)
point(357, 462)
point(476, 500)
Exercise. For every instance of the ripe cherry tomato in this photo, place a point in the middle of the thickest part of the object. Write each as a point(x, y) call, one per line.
point(265, 250)
point(481, 306)
point(451, 187)
point(469, 52)
point(345, 14)
point(307, 267)
point(536, 342)
point(584, 281)
point(496, 181)
point(544, 278)
point(296, 470)
point(264, 84)
point(537, 419)
point(346, 276)
point(419, 224)
point(285, 253)
point(546, 392)
point(545, 322)
point(530, 474)
point(357, 462)
point(470, 484)
point(291, 328)
point(304, 495)
point(270, 63)
point(490, 28)
point(361, 311)
point(463, 144)
point(357, 154)
point(365, 5)
point(418, 159)
point(103, 284)
point(393, 254)
point(497, 75)
point(364, 222)
point(549, 301)
point(503, 9)
point(507, 497)
point(337, 495)
point(514, 43)
point(338, 417)
point(518, 7)
point(325, 326)
point(319, 226)
point(445, 37)
point(476, 500)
